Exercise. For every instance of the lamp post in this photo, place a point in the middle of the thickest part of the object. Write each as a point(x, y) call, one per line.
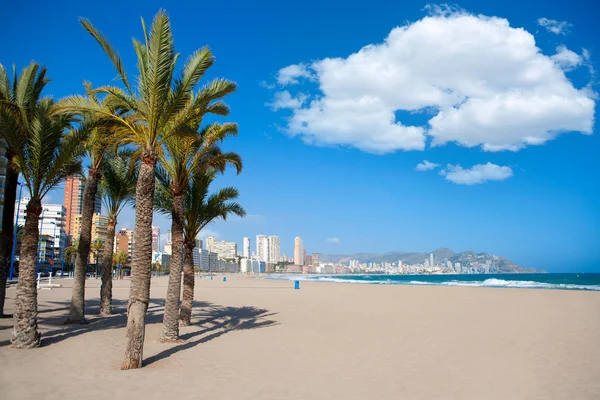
point(12, 257)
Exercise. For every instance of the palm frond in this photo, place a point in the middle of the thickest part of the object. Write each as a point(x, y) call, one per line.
point(114, 56)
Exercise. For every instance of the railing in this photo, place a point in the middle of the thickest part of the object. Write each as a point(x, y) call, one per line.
point(49, 285)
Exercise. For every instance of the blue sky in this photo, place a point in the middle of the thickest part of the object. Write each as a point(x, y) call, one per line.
point(331, 144)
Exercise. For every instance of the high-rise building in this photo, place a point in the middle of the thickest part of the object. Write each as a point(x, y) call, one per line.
point(155, 238)
point(53, 236)
point(273, 249)
point(246, 248)
point(262, 247)
point(168, 248)
point(73, 200)
point(210, 241)
point(99, 228)
point(168, 237)
point(99, 233)
point(308, 260)
point(199, 244)
point(431, 264)
point(124, 241)
point(315, 259)
point(225, 250)
point(298, 252)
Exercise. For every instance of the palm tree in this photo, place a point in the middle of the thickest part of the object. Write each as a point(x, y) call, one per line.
point(117, 187)
point(17, 104)
point(121, 258)
point(162, 105)
point(101, 138)
point(47, 154)
point(71, 252)
point(97, 248)
point(200, 210)
point(181, 158)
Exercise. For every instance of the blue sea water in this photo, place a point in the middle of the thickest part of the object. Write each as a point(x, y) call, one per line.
point(584, 281)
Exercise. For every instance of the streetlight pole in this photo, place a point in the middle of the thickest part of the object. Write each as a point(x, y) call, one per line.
point(12, 257)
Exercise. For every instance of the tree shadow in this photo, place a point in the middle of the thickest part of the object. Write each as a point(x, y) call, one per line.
point(222, 320)
point(95, 322)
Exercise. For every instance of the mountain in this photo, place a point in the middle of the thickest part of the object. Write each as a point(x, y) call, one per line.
point(501, 264)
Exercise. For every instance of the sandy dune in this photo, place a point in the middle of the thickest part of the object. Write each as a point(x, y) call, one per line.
point(260, 339)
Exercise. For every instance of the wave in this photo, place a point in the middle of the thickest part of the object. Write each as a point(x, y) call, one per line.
point(491, 282)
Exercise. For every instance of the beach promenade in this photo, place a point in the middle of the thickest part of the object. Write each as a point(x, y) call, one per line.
point(261, 339)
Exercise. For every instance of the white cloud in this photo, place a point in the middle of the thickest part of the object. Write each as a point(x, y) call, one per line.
point(285, 100)
point(292, 73)
point(333, 240)
point(486, 83)
point(206, 232)
point(426, 166)
point(567, 59)
point(266, 85)
point(479, 173)
point(554, 26)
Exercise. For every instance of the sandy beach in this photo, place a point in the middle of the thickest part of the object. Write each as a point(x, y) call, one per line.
point(260, 339)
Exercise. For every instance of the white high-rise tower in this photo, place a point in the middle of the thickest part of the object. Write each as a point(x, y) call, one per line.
point(262, 247)
point(246, 247)
point(274, 249)
point(298, 252)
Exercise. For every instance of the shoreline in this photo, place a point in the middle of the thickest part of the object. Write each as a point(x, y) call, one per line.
point(568, 282)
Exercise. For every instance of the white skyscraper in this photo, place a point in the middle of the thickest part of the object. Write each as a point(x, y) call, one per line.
point(225, 250)
point(273, 249)
point(298, 252)
point(262, 247)
point(246, 247)
point(210, 242)
point(431, 264)
point(52, 226)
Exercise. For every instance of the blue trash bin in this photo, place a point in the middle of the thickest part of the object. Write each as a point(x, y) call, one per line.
point(224, 279)
point(296, 284)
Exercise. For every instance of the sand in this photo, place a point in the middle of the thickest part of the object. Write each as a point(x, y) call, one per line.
point(260, 339)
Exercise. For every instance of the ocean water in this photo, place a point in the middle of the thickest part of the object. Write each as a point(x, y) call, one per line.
point(585, 281)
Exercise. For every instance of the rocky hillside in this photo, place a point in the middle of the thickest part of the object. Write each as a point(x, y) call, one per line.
point(442, 255)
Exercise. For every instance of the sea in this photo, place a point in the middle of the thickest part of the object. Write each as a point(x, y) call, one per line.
point(582, 281)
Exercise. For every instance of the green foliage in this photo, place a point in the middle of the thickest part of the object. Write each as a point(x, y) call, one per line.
point(119, 177)
point(48, 150)
point(201, 208)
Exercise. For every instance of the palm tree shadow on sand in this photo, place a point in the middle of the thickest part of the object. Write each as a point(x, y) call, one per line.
point(216, 322)
point(118, 319)
point(213, 320)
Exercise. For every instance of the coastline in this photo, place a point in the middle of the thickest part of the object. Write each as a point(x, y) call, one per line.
point(548, 281)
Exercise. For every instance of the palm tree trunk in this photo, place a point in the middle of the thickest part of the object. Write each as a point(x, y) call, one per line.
point(8, 227)
point(25, 334)
point(185, 316)
point(141, 264)
point(77, 313)
point(171, 316)
point(107, 269)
